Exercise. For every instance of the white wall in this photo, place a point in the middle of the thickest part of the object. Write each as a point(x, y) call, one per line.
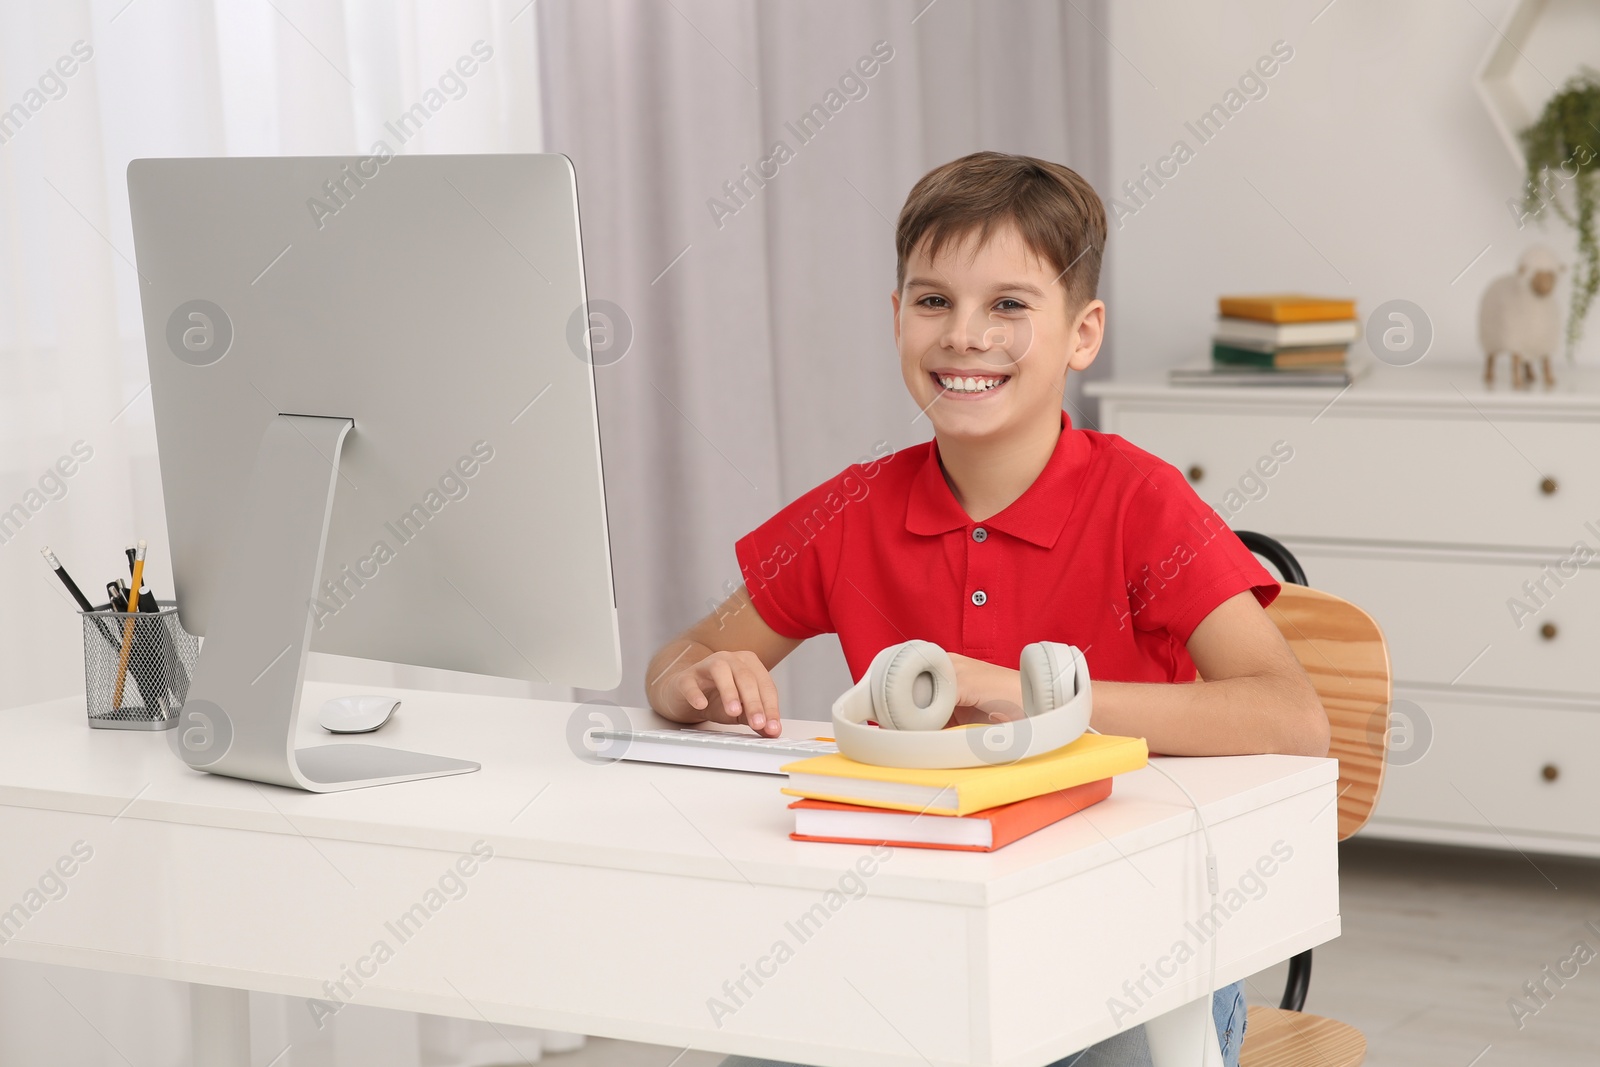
point(1380, 175)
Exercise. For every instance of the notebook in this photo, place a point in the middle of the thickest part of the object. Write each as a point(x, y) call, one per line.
point(1247, 333)
point(964, 790)
point(1317, 356)
point(1286, 307)
point(982, 831)
point(1205, 372)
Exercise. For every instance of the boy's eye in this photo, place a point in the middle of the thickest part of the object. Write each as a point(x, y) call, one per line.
point(1004, 304)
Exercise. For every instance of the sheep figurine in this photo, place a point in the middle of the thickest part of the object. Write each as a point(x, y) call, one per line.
point(1518, 316)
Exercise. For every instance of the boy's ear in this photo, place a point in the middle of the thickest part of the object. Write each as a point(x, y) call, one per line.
point(894, 302)
point(1089, 330)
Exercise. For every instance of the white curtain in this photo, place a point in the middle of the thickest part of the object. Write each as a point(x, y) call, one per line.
point(84, 88)
point(762, 358)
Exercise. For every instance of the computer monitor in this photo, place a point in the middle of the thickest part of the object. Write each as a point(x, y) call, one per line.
point(375, 411)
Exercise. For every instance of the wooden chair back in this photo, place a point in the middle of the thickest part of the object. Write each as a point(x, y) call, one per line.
point(1343, 651)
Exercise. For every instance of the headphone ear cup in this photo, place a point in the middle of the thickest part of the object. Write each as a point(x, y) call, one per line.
point(1047, 677)
point(913, 686)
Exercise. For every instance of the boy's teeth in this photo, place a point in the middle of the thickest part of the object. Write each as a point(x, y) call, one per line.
point(968, 385)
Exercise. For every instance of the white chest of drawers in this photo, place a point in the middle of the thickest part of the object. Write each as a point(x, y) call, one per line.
point(1466, 519)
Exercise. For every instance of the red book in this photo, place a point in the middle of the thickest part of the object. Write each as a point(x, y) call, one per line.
point(981, 831)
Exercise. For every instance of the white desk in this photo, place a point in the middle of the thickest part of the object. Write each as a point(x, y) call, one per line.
point(620, 899)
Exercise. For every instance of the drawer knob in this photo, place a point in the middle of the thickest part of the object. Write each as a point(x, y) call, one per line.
point(1548, 631)
point(1550, 772)
point(1196, 472)
point(1548, 486)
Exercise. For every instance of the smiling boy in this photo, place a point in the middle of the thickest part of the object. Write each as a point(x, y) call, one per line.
point(1012, 525)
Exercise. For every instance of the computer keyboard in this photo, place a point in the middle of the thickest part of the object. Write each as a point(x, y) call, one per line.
point(715, 748)
point(815, 746)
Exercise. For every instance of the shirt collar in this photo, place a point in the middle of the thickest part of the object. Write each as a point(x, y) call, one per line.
point(1036, 516)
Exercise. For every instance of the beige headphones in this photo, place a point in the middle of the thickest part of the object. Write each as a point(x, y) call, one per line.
point(910, 691)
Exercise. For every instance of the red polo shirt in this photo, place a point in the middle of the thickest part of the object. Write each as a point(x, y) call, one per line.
point(1109, 549)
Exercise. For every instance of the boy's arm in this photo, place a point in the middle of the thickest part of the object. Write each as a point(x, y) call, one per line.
point(1254, 696)
point(718, 670)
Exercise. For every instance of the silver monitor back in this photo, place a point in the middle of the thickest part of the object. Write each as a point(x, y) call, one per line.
point(438, 303)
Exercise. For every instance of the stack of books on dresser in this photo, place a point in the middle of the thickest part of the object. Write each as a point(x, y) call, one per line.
point(976, 809)
point(1277, 339)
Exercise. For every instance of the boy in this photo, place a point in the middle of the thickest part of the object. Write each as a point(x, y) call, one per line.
point(1011, 526)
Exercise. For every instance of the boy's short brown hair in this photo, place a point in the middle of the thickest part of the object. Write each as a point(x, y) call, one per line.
point(1058, 214)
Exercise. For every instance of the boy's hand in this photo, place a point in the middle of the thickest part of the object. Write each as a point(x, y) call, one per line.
point(742, 685)
point(985, 692)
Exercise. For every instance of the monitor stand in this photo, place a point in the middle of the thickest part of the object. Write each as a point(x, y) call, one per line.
point(243, 706)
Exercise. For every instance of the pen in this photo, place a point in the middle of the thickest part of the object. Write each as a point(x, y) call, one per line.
point(127, 627)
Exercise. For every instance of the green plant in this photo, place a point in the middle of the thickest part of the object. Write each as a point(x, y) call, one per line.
point(1563, 149)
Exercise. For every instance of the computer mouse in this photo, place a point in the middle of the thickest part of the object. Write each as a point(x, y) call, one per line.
point(357, 714)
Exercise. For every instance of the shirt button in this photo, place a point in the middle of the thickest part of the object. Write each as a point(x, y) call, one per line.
point(980, 535)
point(979, 597)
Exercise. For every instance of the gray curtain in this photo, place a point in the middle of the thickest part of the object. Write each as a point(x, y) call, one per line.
point(761, 358)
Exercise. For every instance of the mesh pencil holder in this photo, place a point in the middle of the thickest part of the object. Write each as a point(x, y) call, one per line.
point(137, 667)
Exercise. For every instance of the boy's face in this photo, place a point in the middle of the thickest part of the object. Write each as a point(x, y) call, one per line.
point(996, 314)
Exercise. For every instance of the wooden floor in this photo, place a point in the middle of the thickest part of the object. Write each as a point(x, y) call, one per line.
point(1436, 941)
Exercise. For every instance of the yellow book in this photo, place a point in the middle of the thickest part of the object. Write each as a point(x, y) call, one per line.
point(964, 790)
point(1286, 307)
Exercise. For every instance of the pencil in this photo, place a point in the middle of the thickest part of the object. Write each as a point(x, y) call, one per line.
point(127, 627)
point(77, 594)
point(66, 579)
